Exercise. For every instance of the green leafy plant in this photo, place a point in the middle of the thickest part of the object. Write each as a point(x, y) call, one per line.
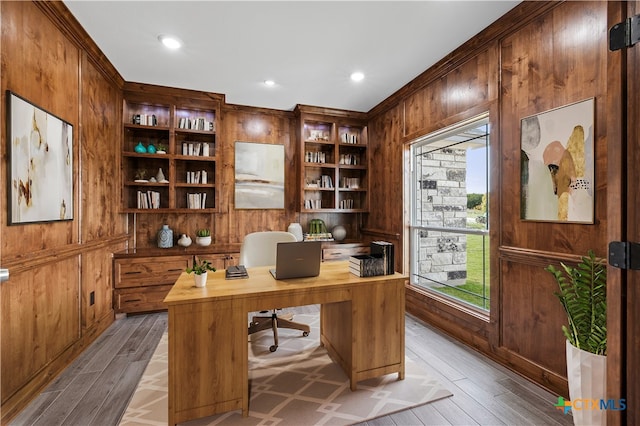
point(583, 294)
point(162, 147)
point(199, 267)
point(204, 232)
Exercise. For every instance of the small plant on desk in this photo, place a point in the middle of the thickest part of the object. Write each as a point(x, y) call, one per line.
point(199, 268)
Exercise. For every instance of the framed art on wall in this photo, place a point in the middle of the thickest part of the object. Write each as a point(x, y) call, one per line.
point(557, 164)
point(41, 164)
point(259, 176)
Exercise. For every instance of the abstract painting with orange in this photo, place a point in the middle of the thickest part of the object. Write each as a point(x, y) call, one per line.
point(557, 159)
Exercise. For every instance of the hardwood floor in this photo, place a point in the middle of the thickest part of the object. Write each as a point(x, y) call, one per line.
point(95, 389)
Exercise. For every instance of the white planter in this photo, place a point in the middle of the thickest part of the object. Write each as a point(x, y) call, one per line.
point(203, 241)
point(587, 376)
point(200, 280)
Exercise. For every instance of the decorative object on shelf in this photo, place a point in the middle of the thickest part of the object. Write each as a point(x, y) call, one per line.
point(199, 268)
point(162, 149)
point(318, 231)
point(583, 295)
point(165, 237)
point(339, 233)
point(184, 241)
point(140, 149)
point(140, 176)
point(203, 237)
point(41, 164)
point(151, 149)
point(160, 176)
point(296, 230)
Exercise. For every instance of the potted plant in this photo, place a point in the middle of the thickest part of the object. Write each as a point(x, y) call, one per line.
point(162, 149)
point(199, 268)
point(203, 237)
point(583, 295)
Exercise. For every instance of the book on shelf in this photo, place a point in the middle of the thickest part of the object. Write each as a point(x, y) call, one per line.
point(148, 200)
point(364, 265)
point(199, 176)
point(197, 123)
point(196, 200)
point(384, 250)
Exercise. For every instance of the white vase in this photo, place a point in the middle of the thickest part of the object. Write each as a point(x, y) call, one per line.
point(200, 280)
point(184, 241)
point(203, 241)
point(587, 377)
point(296, 230)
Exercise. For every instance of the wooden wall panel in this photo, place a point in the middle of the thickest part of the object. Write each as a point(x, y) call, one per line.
point(41, 65)
point(40, 310)
point(386, 182)
point(463, 91)
point(97, 278)
point(262, 127)
point(99, 155)
point(559, 59)
point(55, 266)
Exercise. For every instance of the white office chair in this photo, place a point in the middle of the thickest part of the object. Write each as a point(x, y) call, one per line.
point(259, 249)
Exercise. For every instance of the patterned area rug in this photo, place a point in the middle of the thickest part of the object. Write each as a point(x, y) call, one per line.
point(296, 385)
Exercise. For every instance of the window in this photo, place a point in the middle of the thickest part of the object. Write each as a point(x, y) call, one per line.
point(449, 213)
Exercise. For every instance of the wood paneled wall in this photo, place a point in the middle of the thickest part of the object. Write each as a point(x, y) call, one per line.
point(46, 315)
point(538, 57)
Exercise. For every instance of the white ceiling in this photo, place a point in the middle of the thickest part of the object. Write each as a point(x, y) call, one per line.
point(309, 48)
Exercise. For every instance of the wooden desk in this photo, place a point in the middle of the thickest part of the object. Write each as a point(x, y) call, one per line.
point(361, 326)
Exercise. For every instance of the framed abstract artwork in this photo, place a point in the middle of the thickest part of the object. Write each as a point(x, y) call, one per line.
point(41, 164)
point(259, 176)
point(557, 164)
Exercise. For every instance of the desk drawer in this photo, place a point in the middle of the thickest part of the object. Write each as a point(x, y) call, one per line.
point(140, 300)
point(148, 271)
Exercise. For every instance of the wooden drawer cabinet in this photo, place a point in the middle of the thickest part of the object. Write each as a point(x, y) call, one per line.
point(343, 251)
point(221, 261)
point(142, 283)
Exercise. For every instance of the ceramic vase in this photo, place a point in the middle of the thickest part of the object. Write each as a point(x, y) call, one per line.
point(160, 176)
point(140, 149)
point(184, 241)
point(165, 237)
point(587, 379)
point(296, 230)
point(200, 280)
point(151, 149)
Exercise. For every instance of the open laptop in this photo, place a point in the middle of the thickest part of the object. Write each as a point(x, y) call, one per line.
point(297, 260)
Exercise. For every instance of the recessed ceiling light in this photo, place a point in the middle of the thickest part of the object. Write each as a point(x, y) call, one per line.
point(269, 83)
point(170, 41)
point(357, 76)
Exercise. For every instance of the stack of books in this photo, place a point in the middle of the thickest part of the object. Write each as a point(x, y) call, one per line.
point(380, 261)
point(364, 265)
point(236, 272)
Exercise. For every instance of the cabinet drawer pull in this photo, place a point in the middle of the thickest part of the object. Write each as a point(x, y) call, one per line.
point(176, 269)
point(132, 272)
point(132, 300)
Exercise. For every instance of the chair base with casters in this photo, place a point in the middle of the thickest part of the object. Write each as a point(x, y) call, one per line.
point(275, 321)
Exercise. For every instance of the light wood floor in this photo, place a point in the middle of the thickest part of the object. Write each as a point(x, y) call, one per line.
point(95, 389)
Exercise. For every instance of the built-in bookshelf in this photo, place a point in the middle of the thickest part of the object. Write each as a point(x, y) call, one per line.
point(169, 154)
point(334, 161)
